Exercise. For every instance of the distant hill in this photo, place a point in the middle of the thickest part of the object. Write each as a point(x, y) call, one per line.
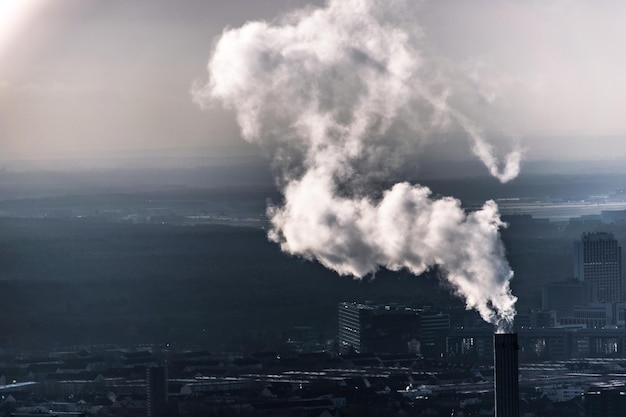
point(72, 281)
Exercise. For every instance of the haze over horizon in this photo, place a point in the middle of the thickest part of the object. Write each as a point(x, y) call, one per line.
point(83, 80)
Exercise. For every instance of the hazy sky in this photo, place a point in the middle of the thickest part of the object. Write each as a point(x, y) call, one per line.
point(82, 78)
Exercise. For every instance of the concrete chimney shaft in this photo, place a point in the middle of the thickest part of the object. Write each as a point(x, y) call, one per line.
point(506, 373)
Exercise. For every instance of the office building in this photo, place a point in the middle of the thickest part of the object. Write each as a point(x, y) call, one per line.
point(564, 296)
point(598, 262)
point(434, 328)
point(375, 328)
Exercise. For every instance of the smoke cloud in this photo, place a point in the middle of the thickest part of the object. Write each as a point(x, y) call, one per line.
point(339, 96)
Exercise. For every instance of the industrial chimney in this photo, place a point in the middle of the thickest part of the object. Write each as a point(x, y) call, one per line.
point(505, 349)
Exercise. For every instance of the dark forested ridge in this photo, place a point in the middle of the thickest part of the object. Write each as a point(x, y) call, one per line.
point(90, 281)
point(94, 281)
point(127, 267)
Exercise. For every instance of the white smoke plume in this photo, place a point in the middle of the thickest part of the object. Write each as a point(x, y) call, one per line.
point(339, 95)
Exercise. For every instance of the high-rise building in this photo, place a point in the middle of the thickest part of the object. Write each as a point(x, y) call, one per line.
point(377, 328)
point(434, 328)
point(598, 262)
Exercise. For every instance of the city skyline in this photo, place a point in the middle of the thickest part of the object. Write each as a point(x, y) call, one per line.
point(213, 207)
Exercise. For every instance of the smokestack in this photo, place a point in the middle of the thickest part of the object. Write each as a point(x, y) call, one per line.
point(505, 349)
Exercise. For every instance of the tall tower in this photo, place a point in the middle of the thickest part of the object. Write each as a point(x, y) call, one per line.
point(351, 323)
point(156, 381)
point(505, 371)
point(598, 262)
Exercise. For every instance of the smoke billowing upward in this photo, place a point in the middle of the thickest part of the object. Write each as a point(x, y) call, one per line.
point(338, 95)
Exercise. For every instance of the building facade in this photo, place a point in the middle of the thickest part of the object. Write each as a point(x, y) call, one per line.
point(367, 327)
point(598, 262)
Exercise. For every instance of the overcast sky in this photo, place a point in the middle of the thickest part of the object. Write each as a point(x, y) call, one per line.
point(83, 78)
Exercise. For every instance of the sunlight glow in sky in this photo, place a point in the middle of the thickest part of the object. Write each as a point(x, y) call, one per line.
point(82, 78)
point(13, 13)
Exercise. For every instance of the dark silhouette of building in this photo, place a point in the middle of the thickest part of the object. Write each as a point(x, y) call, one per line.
point(369, 327)
point(156, 381)
point(605, 401)
point(564, 296)
point(557, 343)
point(598, 262)
point(506, 370)
point(434, 328)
